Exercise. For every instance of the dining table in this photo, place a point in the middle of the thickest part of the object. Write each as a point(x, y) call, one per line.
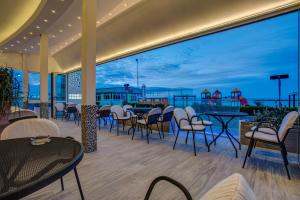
point(27, 166)
point(224, 118)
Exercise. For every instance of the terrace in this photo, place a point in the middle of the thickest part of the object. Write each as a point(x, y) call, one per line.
point(98, 98)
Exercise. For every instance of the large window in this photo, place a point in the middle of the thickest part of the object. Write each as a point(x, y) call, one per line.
point(34, 86)
point(60, 89)
point(243, 58)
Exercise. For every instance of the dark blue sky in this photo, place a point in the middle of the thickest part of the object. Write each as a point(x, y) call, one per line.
point(242, 57)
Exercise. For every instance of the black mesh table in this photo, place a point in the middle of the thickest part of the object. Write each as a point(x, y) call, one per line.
point(25, 168)
point(225, 118)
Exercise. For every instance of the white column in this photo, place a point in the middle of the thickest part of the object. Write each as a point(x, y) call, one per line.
point(88, 62)
point(44, 112)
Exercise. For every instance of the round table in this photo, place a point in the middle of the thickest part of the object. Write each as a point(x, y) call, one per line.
point(225, 118)
point(25, 168)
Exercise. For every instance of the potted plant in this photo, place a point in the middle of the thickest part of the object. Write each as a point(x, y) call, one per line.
point(6, 90)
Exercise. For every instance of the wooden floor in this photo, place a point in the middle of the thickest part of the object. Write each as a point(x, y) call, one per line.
point(123, 169)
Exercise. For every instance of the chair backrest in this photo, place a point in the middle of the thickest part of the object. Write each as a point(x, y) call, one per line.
point(167, 113)
point(117, 111)
point(153, 115)
point(126, 107)
point(104, 111)
point(59, 107)
point(180, 114)
point(30, 128)
point(234, 187)
point(191, 113)
point(78, 107)
point(287, 123)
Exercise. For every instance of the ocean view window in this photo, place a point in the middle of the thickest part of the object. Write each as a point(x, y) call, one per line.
point(233, 67)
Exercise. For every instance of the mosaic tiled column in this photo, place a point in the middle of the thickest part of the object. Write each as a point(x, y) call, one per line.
point(89, 128)
point(44, 110)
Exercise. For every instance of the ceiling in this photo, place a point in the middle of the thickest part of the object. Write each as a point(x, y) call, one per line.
point(128, 26)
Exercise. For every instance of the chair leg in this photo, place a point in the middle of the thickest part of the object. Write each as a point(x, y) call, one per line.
point(162, 129)
point(187, 136)
point(206, 143)
point(147, 135)
point(194, 143)
point(117, 127)
point(285, 162)
point(171, 124)
point(78, 183)
point(111, 125)
point(99, 122)
point(158, 130)
point(213, 136)
point(176, 139)
point(246, 156)
point(251, 148)
point(62, 184)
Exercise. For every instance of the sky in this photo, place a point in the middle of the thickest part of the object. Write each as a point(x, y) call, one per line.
point(242, 57)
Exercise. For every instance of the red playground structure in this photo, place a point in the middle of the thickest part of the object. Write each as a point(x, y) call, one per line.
point(236, 95)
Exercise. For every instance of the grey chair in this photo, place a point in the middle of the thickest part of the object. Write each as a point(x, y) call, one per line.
point(266, 132)
point(184, 124)
point(118, 116)
point(199, 120)
point(148, 121)
point(166, 116)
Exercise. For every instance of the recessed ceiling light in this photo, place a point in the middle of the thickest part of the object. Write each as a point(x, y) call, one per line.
point(38, 43)
point(53, 11)
point(5, 48)
point(24, 38)
point(31, 46)
point(31, 33)
point(69, 25)
point(61, 31)
point(79, 17)
point(72, 39)
point(18, 42)
point(53, 36)
point(98, 22)
point(110, 14)
point(125, 4)
point(25, 49)
point(79, 34)
point(45, 20)
point(12, 45)
point(38, 27)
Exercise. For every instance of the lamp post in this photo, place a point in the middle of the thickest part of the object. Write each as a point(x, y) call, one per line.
point(137, 73)
point(279, 77)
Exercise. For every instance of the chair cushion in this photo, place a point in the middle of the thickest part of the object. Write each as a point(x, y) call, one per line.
point(205, 123)
point(262, 136)
point(141, 121)
point(124, 118)
point(195, 128)
point(234, 187)
point(264, 130)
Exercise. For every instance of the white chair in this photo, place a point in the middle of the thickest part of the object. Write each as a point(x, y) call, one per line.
point(148, 121)
point(166, 116)
point(59, 109)
point(234, 187)
point(30, 128)
point(272, 136)
point(198, 120)
point(118, 115)
point(183, 123)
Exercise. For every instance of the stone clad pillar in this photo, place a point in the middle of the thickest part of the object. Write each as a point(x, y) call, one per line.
point(88, 62)
point(44, 109)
